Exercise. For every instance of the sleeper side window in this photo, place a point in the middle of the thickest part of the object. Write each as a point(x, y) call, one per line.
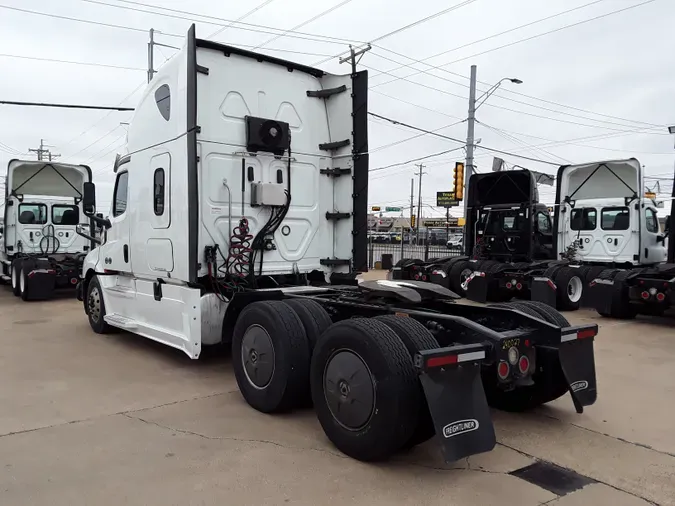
point(163, 99)
point(158, 192)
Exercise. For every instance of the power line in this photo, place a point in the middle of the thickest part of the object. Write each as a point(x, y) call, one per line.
point(67, 106)
point(399, 30)
point(559, 142)
point(536, 150)
point(416, 159)
point(499, 96)
point(94, 142)
point(460, 141)
point(213, 20)
point(87, 21)
point(445, 92)
point(304, 23)
point(51, 60)
point(252, 11)
point(456, 48)
point(396, 143)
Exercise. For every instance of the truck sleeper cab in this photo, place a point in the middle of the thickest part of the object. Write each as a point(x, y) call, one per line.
point(239, 217)
point(41, 247)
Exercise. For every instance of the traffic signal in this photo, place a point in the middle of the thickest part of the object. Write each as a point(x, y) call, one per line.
point(412, 221)
point(458, 180)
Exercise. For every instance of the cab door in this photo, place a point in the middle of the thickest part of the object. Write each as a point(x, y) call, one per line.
point(653, 246)
point(116, 252)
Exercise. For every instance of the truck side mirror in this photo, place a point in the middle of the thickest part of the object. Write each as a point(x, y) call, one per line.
point(89, 198)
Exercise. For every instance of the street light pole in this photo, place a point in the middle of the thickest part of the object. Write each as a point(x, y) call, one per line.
point(474, 104)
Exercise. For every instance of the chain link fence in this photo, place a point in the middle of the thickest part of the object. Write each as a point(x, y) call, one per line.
point(430, 244)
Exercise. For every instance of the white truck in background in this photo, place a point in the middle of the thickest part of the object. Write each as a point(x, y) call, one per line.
point(605, 221)
point(41, 250)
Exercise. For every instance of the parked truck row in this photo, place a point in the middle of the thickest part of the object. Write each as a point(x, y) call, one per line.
point(602, 247)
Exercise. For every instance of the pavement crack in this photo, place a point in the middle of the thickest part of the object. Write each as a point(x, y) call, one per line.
point(588, 476)
point(616, 438)
point(89, 419)
point(232, 438)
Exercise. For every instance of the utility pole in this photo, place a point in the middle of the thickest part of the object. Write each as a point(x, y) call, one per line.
point(471, 121)
point(151, 59)
point(353, 54)
point(419, 201)
point(412, 209)
point(468, 166)
point(41, 152)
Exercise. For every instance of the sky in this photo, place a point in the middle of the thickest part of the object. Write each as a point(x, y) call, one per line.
point(598, 78)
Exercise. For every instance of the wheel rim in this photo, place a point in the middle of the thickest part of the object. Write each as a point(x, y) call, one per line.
point(22, 281)
point(94, 303)
point(464, 275)
point(574, 289)
point(348, 389)
point(257, 355)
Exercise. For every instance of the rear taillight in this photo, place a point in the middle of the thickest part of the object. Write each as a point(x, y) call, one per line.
point(519, 286)
point(660, 297)
point(645, 295)
point(503, 370)
point(509, 285)
point(524, 364)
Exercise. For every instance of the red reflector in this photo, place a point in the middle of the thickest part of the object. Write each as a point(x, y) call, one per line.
point(527, 343)
point(660, 297)
point(583, 334)
point(73, 281)
point(417, 277)
point(645, 295)
point(665, 285)
point(440, 361)
point(509, 285)
point(641, 282)
point(551, 284)
point(503, 370)
point(424, 278)
point(51, 271)
point(524, 364)
point(31, 274)
point(519, 286)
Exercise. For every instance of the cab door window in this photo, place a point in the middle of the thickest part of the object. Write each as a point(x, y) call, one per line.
point(120, 195)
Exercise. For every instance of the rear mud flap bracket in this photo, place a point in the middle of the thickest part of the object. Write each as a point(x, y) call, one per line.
point(457, 403)
point(577, 360)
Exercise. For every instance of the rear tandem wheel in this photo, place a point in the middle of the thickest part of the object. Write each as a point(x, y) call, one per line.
point(364, 388)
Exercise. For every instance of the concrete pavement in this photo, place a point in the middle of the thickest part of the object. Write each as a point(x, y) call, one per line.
point(88, 419)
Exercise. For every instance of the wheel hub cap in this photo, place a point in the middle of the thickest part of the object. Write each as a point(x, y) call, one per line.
point(257, 355)
point(94, 303)
point(348, 389)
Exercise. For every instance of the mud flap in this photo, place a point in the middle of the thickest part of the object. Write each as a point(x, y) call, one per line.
point(456, 399)
point(477, 285)
point(578, 364)
point(543, 290)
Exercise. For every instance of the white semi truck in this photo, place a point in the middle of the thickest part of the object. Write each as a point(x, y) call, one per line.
point(239, 217)
point(41, 250)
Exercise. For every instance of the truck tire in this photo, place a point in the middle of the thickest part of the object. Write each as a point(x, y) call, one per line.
point(96, 307)
point(415, 337)
point(458, 273)
point(271, 357)
point(593, 273)
point(570, 285)
point(24, 286)
point(313, 316)
point(519, 306)
point(387, 390)
point(16, 272)
point(622, 309)
point(548, 314)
